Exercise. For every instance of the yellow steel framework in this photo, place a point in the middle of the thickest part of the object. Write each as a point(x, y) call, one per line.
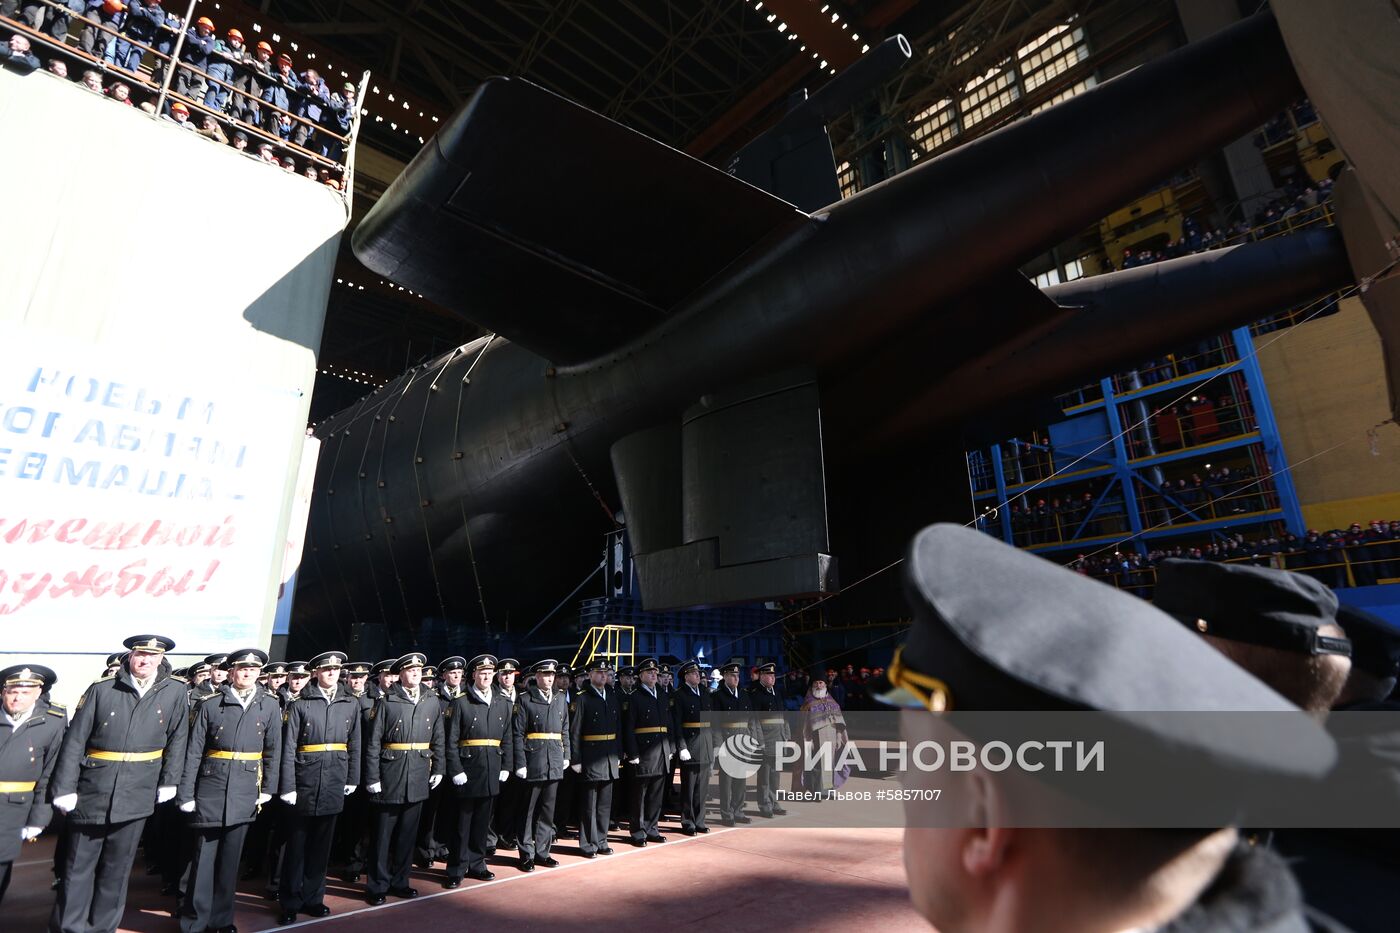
point(618, 643)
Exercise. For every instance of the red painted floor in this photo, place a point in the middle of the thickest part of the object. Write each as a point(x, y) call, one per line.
point(762, 877)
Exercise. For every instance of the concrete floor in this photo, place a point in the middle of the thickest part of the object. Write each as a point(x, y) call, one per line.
point(762, 877)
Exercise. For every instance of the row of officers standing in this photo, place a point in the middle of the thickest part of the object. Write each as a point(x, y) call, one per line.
point(273, 766)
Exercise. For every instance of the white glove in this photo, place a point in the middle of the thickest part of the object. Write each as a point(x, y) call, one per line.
point(578, 768)
point(290, 798)
point(634, 761)
point(461, 778)
point(685, 754)
point(263, 798)
point(350, 789)
point(66, 803)
point(566, 762)
point(30, 833)
point(520, 773)
point(503, 776)
point(165, 793)
point(434, 781)
point(187, 806)
point(375, 788)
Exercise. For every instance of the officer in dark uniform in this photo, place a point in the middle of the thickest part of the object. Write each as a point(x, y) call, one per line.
point(690, 722)
point(276, 676)
point(404, 762)
point(256, 847)
point(298, 676)
point(768, 711)
point(352, 829)
point(646, 741)
point(507, 811)
point(114, 663)
point(320, 768)
point(382, 677)
point(541, 754)
point(123, 754)
point(596, 722)
point(479, 750)
point(734, 717)
point(999, 629)
point(218, 671)
point(452, 673)
point(31, 733)
point(231, 766)
point(566, 800)
point(438, 822)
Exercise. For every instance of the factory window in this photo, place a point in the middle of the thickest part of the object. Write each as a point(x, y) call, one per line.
point(1051, 54)
point(1074, 269)
point(935, 126)
point(846, 178)
point(1046, 279)
point(988, 94)
point(1066, 94)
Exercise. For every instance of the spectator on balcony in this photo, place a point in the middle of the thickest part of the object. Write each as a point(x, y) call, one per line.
point(240, 142)
point(310, 172)
point(57, 67)
point(209, 127)
point(179, 115)
point(195, 56)
point(51, 20)
point(120, 92)
point(146, 22)
point(312, 100)
point(227, 53)
point(337, 120)
point(283, 127)
point(266, 153)
point(289, 165)
point(15, 55)
point(102, 42)
point(251, 76)
point(92, 81)
point(277, 91)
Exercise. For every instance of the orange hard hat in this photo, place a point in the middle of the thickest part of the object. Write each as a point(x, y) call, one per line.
point(235, 34)
point(178, 107)
point(206, 22)
point(284, 57)
point(264, 47)
point(113, 6)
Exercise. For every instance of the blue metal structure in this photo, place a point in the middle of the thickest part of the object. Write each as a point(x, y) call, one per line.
point(1109, 457)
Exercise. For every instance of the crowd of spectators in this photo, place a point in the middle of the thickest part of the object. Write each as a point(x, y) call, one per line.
point(848, 686)
point(250, 98)
point(1341, 557)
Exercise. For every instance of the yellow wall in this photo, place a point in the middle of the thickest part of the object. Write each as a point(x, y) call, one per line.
point(1327, 384)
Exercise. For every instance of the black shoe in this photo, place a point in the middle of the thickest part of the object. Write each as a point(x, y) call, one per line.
point(374, 900)
point(548, 861)
point(656, 838)
point(484, 874)
point(605, 850)
point(404, 893)
point(766, 814)
point(351, 877)
point(490, 850)
point(290, 916)
point(702, 829)
point(742, 818)
point(228, 929)
point(688, 831)
point(614, 827)
point(779, 811)
point(527, 864)
point(725, 821)
point(56, 885)
point(589, 854)
point(639, 843)
point(452, 883)
point(172, 890)
point(320, 910)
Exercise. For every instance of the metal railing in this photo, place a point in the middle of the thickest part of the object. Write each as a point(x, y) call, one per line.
point(1357, 566)
point(167, 65)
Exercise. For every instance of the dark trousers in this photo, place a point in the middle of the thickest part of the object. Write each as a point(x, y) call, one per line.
point(213, 879)
point(394, 829)
point(536, 826)
point(671, 803)
point(4, 879)
point(768, 778)
point(646, 805)
point(566, 803)
point(352, 833)
point(466, 849)
point(505, 822)
point(429, 845)
point(305, 856)
point(731, 796)
point(595, 807)
point(97, 870)
point(695, 784)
